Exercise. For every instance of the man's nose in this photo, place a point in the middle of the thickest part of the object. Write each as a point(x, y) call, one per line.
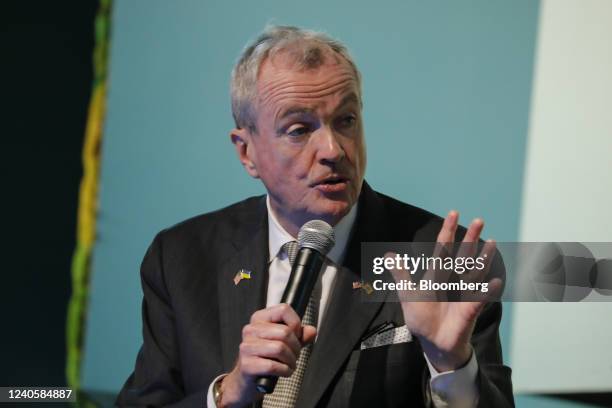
point(329, 149)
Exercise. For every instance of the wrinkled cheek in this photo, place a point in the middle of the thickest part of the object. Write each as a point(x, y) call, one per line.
point(294, 181)
point(301, 171)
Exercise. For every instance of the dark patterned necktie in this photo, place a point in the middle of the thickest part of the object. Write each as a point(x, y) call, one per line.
point(287, 388)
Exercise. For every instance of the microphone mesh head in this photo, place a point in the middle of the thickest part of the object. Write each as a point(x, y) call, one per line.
point(318, 235)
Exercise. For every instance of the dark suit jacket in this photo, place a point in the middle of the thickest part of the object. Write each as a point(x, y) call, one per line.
point(193, 314)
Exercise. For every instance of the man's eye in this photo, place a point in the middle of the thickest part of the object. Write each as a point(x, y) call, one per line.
point(297, 130)
point(348, 121)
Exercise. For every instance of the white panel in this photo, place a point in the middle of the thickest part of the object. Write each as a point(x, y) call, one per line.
point(568, 194)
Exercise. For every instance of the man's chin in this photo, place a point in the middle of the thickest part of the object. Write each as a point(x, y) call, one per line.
point(333, 211)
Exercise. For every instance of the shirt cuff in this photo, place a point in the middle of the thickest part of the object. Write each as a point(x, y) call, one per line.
point(210, 397)
point(455, 388)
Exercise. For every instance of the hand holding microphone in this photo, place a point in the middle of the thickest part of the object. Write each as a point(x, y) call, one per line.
point(272, 341)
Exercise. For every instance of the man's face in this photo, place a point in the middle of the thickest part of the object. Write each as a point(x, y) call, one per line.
point(309, 147)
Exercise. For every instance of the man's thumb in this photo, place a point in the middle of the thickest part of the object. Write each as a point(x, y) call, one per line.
point(308, 334)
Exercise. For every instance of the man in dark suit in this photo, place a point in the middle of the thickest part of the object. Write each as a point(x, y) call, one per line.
point(211, 320)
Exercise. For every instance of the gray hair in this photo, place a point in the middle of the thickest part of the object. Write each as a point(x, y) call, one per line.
point(306, 47)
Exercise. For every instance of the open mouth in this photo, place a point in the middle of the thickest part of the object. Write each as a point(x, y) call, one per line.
point(335, 180)
point(332, 184)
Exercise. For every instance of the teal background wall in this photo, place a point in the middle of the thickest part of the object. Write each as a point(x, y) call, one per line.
point(567, 196)
point(446, 90)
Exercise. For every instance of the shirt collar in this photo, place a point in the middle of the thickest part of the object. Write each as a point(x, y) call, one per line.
point(278, 236)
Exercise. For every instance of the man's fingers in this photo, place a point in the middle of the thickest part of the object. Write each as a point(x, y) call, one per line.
point(469, 245)
point(270, 349)
point(493, 293)
point(474, 230)
point(308, 334)
point(487, 254)
point(443, 249)
point(446, 236)
point(281, 313)
point(449, 227)
point(272, 331)
point(254, 366)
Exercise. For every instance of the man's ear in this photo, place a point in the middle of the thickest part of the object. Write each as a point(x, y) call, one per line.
point(242, 140)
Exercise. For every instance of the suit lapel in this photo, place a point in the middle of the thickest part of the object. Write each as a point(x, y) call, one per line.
point(348, 315)
point(237, 302)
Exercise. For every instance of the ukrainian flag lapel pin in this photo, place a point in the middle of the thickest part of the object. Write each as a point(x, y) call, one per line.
point(242, 274)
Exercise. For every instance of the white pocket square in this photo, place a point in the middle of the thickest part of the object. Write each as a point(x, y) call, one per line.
point(393, 335)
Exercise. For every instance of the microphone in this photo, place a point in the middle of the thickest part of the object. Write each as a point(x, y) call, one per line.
point(316, 239)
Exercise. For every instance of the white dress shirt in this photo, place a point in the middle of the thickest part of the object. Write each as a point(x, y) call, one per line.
point(448, 389)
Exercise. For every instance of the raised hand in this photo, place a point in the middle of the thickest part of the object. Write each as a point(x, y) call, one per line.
point(444, 329)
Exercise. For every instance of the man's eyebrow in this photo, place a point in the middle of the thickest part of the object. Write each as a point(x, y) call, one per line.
point(300, 110)
point(351, 97)
point(294, 111)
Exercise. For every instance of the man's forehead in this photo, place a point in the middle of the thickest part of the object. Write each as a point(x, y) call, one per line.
point(333, 77)
point(284, 64)
point(299, 98)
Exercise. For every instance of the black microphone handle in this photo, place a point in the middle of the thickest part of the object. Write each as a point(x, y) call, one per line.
point(304, 275)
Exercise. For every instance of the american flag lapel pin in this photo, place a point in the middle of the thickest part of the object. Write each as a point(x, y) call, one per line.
point(241, 274)
point(365, 286)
